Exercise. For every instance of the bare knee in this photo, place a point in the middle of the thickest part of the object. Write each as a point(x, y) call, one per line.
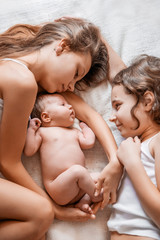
point(78, 171)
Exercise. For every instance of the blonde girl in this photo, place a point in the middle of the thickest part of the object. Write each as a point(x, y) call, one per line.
point(51, 57)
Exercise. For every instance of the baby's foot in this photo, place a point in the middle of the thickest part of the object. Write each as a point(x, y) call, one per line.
point(84, 207)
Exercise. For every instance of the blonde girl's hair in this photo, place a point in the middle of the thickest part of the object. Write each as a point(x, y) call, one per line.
point(143, 75)
point(80, 35)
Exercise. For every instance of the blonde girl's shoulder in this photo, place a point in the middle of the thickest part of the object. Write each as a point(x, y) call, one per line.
point(12, 77)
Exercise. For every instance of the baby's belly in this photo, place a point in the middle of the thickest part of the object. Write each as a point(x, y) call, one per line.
point(55, 164)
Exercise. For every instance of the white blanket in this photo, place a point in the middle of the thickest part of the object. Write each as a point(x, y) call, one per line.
point(132, 27)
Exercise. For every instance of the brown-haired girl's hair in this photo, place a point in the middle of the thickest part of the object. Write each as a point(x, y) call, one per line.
point(143, 75)
point(80, 35)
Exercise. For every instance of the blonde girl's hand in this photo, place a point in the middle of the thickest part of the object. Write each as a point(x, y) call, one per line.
point(109, 180)
point(128, 152)
point(70, 213)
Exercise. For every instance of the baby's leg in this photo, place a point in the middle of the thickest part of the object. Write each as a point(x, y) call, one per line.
point(85, 202)
point(68, 185)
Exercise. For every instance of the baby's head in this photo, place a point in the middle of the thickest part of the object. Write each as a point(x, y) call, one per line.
point(53, 111)
point(141, 77)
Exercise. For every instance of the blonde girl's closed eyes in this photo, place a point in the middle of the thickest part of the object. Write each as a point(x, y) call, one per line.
point(63, 68)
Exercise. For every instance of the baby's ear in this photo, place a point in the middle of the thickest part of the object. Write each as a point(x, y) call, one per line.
point(45, 117)
point(148, 100)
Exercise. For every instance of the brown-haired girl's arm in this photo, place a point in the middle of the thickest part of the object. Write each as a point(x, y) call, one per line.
point(129, 153)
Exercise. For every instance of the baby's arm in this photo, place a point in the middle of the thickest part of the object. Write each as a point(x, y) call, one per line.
point(86, 137)
point(148, 193)
point(33, 138)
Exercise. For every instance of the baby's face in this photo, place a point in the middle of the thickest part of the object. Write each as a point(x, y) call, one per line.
point(60, 111)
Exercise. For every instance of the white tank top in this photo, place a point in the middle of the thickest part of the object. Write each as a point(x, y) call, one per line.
point(128, 216)
point(14, 60)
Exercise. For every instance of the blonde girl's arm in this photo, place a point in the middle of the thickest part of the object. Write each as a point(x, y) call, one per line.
point(111, 174)
point(19, 96)
point(115, 62)
point(33, 138)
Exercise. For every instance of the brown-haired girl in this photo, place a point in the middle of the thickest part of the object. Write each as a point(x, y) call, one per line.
point(136, 113)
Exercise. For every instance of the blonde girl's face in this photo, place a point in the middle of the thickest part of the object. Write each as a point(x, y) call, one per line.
point(64, 69)
point(122, 103)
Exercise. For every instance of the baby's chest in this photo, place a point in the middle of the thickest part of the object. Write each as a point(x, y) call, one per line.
point(60, 135)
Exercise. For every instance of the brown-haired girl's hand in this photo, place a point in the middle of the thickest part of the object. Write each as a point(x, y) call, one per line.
point(109, 180)
point(70, 213)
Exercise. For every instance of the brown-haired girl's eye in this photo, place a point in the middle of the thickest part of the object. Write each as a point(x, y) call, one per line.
point(117, 106)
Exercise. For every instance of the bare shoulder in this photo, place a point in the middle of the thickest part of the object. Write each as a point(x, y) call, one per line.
point(16, 78)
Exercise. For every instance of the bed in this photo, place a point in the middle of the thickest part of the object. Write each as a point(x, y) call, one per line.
point(131, 28)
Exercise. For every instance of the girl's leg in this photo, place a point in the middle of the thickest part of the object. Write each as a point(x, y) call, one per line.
point(67, 185)
point(117, 236)
point(23, 213)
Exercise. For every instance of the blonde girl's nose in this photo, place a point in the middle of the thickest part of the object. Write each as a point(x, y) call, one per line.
point(71, 87)
point(69, 106)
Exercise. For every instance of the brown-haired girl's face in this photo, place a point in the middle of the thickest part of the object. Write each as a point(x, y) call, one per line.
point(122, 104)
point(63, 69)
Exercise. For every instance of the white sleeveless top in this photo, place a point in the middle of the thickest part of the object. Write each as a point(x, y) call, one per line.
point(14, 60)
point(128, 216)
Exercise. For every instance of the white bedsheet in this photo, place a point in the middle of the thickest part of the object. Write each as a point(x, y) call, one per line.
point(132, 28)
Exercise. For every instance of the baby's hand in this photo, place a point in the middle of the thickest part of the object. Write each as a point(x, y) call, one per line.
point(83, 125)
point(35, 123)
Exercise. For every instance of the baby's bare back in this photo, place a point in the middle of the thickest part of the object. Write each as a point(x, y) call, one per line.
point(60, 150)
